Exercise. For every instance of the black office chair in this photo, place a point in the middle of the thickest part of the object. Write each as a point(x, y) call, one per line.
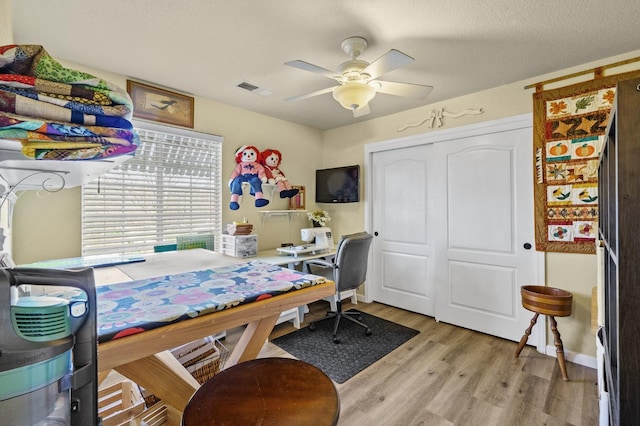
point(348, 271)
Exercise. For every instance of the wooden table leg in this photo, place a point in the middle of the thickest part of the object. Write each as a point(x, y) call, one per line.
point(559, 348)
point(164, 376)
point(102, 375)
point(252, 340)
point(525, 336)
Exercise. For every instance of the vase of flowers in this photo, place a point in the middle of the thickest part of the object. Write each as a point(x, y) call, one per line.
point(319, 218)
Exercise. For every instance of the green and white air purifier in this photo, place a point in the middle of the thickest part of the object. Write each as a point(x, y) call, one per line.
point(48, 347)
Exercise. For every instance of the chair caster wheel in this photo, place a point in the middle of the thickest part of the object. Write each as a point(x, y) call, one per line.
point(367, 332)
point(312, 327)
point(336, 340)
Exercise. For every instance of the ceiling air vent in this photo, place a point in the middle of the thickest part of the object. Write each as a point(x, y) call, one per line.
point(254, 89)
point(247, 86)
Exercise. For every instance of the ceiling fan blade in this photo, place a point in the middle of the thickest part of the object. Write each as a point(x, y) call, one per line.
point(309, 95)
point(389, 61)
point(306, 66)
point(363, 110)
point(417, 91)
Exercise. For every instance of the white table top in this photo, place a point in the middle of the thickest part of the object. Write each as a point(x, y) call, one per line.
point(164, 263)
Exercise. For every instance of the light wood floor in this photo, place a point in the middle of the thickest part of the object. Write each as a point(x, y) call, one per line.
point(453, 376)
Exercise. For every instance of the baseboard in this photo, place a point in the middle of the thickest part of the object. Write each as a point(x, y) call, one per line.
point(581, 359)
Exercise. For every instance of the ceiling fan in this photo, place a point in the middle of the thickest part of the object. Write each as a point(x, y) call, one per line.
point(358, 80)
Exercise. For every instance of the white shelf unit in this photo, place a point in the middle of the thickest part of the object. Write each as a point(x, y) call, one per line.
point(267, 191)
point(18, 172)
point(289, 213)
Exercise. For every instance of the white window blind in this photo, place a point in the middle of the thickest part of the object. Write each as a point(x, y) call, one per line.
point(172, 186)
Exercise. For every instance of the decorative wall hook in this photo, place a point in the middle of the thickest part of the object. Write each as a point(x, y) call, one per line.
point(436, 117)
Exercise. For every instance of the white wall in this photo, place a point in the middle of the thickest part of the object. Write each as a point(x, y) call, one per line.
point(6, 22)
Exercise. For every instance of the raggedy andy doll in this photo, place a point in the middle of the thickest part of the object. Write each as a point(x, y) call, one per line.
point(248, 170)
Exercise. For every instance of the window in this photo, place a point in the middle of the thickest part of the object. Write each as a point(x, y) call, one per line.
point(171, 187)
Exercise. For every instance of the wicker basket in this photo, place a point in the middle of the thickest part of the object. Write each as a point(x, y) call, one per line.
point(202, 358)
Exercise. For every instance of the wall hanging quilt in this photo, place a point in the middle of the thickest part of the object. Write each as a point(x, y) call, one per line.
point(569, 130)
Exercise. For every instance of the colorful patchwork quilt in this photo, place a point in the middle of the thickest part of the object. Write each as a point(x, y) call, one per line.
point(58, 113)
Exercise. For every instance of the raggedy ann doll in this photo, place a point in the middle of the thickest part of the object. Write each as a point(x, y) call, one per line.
point(271, 159)
point(248, 170)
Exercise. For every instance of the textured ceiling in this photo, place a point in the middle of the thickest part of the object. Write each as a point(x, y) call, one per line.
point(207, 47)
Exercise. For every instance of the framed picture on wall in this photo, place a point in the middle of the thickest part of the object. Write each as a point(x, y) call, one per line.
point(163, 106)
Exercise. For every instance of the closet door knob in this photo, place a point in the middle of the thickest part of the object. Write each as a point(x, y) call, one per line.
point(527, 246)
point(375, 233)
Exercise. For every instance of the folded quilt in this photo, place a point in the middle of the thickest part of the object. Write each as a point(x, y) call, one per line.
point(59, 113)
point(41, 139)
point(10, 102)
point(10, 121)
point(34, 61)
point(79, 152)
point(86, 106)
point(72, 92)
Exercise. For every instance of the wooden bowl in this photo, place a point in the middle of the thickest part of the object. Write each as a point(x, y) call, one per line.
point(547, 300)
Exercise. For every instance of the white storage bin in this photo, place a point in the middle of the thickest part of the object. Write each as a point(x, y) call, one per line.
point(240, 245)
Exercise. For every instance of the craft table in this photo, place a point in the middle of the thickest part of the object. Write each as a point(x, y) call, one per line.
point(273, 256)
point(145, 358)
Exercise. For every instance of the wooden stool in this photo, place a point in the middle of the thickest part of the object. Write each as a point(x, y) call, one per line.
point(265, 391)
point(552, 302)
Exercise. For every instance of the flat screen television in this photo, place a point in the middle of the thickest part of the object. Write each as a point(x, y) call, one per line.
point(338, 185)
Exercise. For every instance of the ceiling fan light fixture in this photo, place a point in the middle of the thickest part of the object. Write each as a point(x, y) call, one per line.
point(354, 95)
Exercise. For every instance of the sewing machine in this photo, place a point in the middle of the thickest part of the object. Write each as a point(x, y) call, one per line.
point(321, 238)
point(317, 240)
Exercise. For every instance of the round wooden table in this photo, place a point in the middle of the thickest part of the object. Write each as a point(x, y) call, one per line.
point(265, 391)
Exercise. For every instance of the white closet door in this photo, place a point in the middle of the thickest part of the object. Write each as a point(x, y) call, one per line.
point(485, 237)
point(453, 210)
point(403, 245)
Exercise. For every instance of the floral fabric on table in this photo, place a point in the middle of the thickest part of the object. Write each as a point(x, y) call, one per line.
point(136, 306)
